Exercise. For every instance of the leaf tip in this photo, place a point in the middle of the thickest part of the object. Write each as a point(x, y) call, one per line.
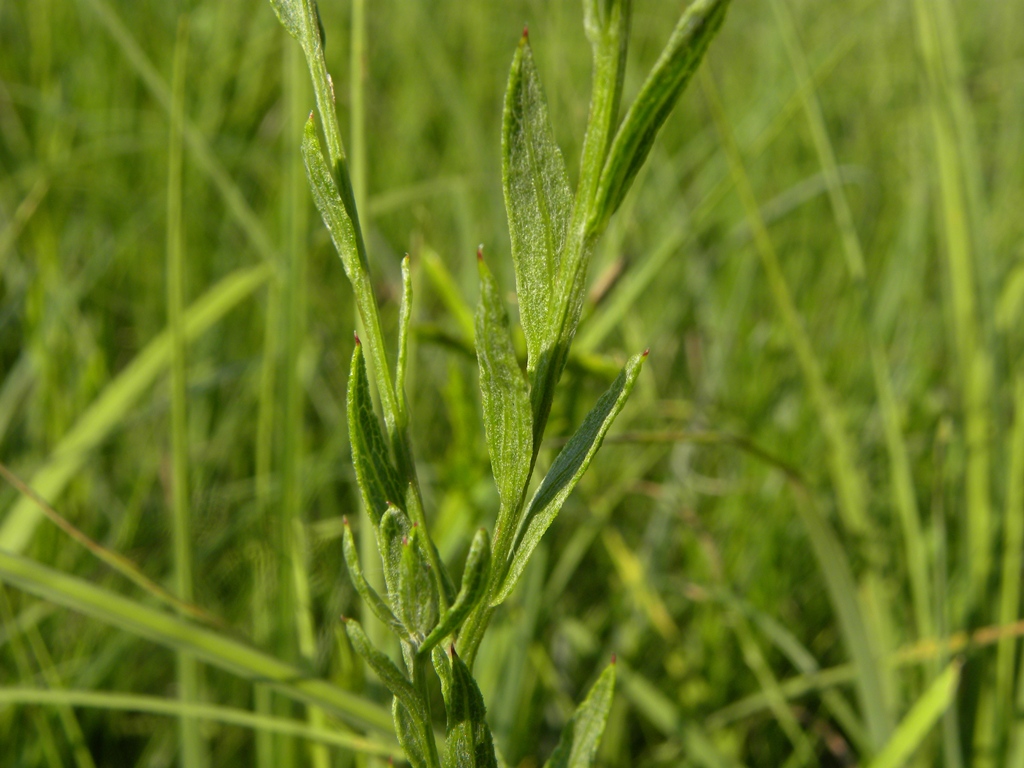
point(355, 334)
point(526, 31)
point(344, 520)
point(614, 659)
point(480, 252)
point(344, 619)
point(646, 353)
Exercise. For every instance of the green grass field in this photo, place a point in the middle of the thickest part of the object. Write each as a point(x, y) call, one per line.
point(803, 539)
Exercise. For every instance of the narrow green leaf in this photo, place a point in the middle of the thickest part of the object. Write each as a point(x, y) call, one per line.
point(328, 201)
point(567, 470)
point(289, 13)
point(538, 197)
point(920, 720)
point(156, 705)
point(417, 591)
point(410, 735)
point(581, 736)
point(385, 669)
point(377, 478)
point(443, 667)
point(508, 421)
point(659, 94)
point(469, 738)
point(394, 528)
point(366, 592)
point(474, 584)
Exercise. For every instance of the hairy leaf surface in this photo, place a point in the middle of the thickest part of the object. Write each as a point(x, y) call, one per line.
point(538, 198)
point(376, 476)
point(385, 669)
point(508, 421)
point(417, 590)
point(469, 738)
point(659, 94)
point(474, 584)
point(366, 592)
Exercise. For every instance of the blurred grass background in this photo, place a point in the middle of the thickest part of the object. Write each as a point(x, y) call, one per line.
point(812, 505)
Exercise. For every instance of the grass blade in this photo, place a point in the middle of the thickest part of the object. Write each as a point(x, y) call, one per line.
point(117, 398)
point(176, 633)
point(155, 705)
point(921, 718)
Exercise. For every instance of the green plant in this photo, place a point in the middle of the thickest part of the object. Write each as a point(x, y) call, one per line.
point(553, 234)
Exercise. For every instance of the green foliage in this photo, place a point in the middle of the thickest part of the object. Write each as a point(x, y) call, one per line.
point(803, 536)
point(540, 207)
point(581, 736)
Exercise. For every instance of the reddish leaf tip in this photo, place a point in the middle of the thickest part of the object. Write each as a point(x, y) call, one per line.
point(451, 650)
point(405, 541)
point(480, 252)
point(344, 520)
point(614, 659)
point(355, 334)
point(647, 352)
point(415, 525)
point(344, 619)
point(526, 31)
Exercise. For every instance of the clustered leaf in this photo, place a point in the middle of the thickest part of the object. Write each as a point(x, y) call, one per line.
point(552, 231)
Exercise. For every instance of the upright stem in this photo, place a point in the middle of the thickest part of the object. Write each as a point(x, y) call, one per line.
point(192, 752)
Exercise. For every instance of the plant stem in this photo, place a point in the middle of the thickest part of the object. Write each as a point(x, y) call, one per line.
point(192, 749)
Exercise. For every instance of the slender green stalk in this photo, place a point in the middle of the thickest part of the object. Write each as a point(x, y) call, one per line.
point(973, 359)
point(904, 496)
point(193, 751)
point(863, 645)
point(1013, 553)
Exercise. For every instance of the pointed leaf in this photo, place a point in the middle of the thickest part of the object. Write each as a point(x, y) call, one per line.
point(443, 667)
point(289, 13)
point(409, 735)
point(366, 592)
point(417, 591)
point(469, 738)
point(474, 584)
point(582, 734)
point(377, 478)
point(386, 671)
point(567, 470)
point(508, 421)
point(659, 94)
point(329, 202)
point(538, 197)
